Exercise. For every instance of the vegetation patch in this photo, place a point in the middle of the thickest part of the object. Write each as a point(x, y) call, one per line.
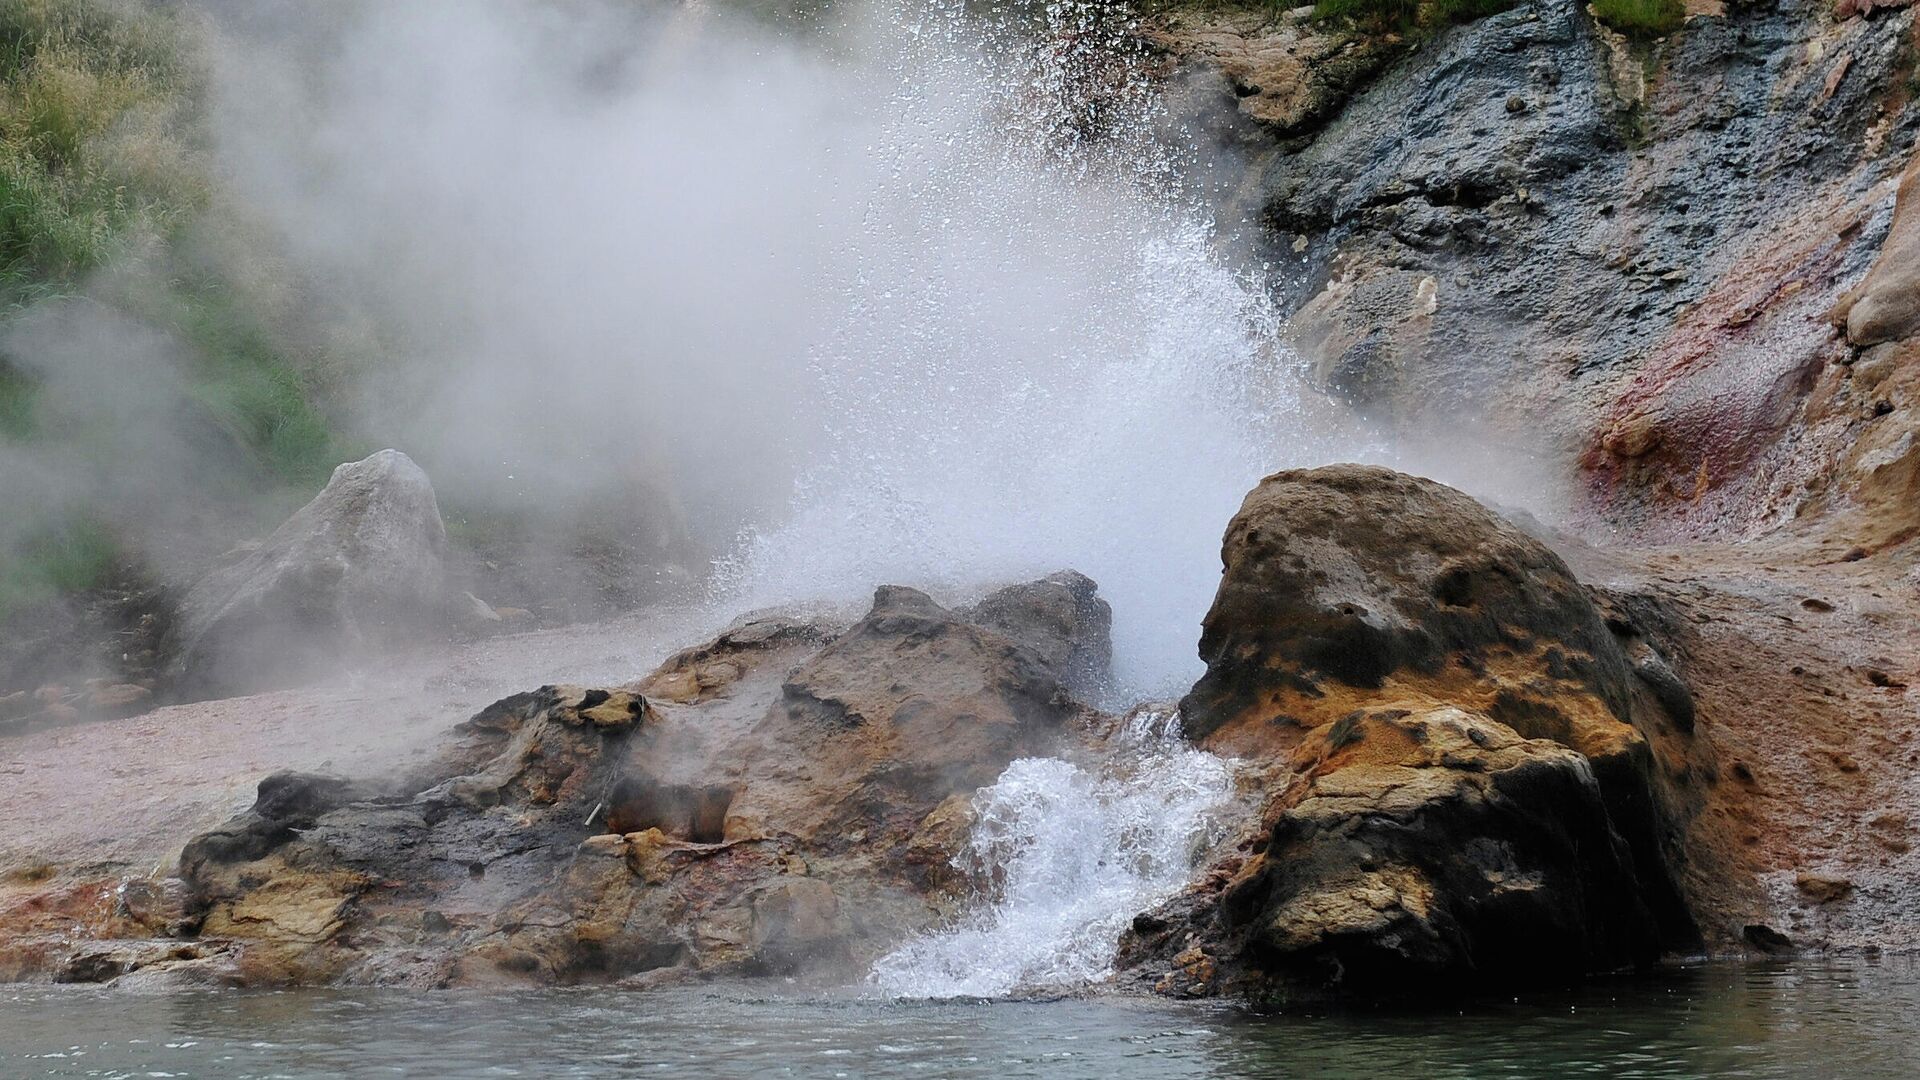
point(102, 169)
point(1641, 18)
point(93, 144)
point(74, 555)
point(250, 388)
point(1383, 16)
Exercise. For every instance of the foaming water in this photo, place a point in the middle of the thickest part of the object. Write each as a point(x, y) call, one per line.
point(1062, 857)
point(1043, 360)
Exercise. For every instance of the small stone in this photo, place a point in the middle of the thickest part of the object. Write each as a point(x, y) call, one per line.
point(475, 612)
point(1821, 889)
point(118, 700)
point(1516, 104)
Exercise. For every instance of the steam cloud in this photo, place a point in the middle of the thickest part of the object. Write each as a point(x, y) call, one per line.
point(903, 298)
point(872, 300)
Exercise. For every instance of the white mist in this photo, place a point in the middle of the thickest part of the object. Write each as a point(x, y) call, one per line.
point(1039, 361)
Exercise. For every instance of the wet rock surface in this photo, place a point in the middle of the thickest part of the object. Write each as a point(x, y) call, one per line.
point(1417, 848)
point(1455, 755)
point(1285, 69)
point(784, 799)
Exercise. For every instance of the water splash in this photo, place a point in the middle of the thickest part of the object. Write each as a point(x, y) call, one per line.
point(1043, 360)
point(1063, 857)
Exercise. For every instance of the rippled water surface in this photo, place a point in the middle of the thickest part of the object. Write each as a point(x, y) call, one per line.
point(1852, 1019)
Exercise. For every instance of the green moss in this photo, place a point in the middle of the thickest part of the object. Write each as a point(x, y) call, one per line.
point(1641, 18)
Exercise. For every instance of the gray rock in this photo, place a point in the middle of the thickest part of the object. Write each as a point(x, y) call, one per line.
point(1062, 618)
point(786, 799)
point(357, 571)
point(1554, 274)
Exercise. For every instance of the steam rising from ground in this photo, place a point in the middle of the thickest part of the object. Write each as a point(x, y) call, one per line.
point(916, 301)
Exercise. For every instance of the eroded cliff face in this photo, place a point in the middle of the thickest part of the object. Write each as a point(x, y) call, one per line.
point(1619, 254)
point(1681, 272)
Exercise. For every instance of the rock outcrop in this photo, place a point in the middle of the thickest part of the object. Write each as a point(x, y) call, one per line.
point(358, 570)
point(1616, 255)
point(1886, 306)
point(1677, 275)
point(786, 798)
point(1062, 617)
point(1420, 848)
point(1285, 69)
point(1455, 749)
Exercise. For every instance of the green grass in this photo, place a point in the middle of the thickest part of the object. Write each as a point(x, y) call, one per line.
point(1641, 18)
point(1374, 14)
point(16, 403)
point(1464, 11)
point(73, 555)
point(1382, 16)
point(92, 146)
point(101, 159)
point(249, 386)
point(98, 153)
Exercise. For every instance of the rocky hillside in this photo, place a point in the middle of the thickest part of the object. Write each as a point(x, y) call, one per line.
point(1680, 270)
point(1625, 254)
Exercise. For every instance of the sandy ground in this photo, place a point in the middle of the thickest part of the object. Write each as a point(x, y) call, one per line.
point(124, 795)
point(1806, 672)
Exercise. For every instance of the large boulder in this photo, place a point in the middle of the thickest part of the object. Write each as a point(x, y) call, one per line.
point(786, 798)
point(1349, 585)
point(356, 571)
point(1454, 747)
point(1061, 617)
